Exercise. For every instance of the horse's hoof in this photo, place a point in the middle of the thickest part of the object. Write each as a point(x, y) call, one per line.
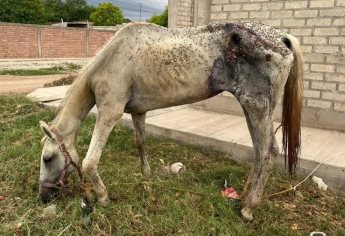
point(104, 201)
point(247, 215)
point(146, 171)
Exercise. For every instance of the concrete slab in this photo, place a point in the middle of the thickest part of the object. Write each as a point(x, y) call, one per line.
point(48, 94)
point(229, 133)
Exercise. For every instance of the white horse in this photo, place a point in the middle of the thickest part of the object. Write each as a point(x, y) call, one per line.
point(146, 67)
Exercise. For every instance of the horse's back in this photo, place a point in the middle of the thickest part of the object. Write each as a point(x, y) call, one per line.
point(152, 67)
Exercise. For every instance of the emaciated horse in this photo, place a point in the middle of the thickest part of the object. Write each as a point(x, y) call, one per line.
point(146, 67)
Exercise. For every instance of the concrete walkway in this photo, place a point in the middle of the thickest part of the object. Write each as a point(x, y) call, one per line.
point(229, 133)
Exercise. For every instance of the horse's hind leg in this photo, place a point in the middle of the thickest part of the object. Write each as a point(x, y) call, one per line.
point(261, 129)
point(106, 119)
point(139, 128)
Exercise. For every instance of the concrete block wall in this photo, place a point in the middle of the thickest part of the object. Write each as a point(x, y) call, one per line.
point(37, 41)
point(320, 27)
point(185, 13)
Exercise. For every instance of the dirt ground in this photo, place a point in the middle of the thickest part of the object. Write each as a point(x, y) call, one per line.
point(27, 84)
point(24, 84)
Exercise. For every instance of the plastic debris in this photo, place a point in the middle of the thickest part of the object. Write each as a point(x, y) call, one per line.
point(177, 168)
point(320, 184)
point(317, 234)
point(230, 193)
point(87, 209)
point(86, 206)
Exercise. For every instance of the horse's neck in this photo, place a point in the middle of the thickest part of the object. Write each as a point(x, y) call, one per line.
point(75, 108)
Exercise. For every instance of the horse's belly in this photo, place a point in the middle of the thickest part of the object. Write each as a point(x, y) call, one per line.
point(144, 104)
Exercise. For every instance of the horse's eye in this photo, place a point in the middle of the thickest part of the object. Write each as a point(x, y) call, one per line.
point(47, 159)
point(236, 38)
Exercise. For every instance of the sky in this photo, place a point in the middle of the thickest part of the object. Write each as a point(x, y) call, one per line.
point(131, 8)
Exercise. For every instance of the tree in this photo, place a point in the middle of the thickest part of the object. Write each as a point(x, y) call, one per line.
point(161, 19)
point(44, 11)
point(22, 11)
point(69, 10)
point(107, 14)
point(78, 10)
point(54, 10)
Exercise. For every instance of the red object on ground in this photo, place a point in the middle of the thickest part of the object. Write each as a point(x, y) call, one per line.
point(230, 193)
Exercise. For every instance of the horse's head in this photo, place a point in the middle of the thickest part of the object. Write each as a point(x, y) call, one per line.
point(58, 159)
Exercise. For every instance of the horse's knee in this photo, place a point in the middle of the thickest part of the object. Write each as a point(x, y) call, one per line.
point(88, 168)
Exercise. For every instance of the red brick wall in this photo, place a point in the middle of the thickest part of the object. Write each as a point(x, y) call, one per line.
point(18, 42)
point(35, 41)
point(63, 43)
point(97, 40)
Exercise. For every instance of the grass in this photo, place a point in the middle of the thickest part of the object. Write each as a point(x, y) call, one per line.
point(66, 68)
point(164, 204)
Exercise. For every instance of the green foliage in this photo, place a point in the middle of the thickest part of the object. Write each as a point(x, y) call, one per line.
point(54, 10)
point(77, 10)
point(68, 10)
point(44, 11)
point(22, 11)
point(107, 15)
point(161, 19)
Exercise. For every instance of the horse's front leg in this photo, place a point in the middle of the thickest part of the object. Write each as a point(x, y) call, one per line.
point(106, 119)
point(266, 150)
point(139, 129)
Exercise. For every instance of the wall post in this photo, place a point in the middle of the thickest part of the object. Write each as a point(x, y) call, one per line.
point(39, 42)
point(202, 12)
point(172, 13)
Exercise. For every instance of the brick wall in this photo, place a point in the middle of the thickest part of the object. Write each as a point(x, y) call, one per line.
point(58, 43)
point(18, 42)
point(34, 41)
point(97, 39)
point(320, 27)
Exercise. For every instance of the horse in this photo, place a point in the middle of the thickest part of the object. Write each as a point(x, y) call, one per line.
point(146, 67)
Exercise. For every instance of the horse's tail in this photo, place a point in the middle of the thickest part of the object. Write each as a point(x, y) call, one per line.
point(292, 108)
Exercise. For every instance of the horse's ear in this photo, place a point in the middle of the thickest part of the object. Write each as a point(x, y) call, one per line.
point(45, 129)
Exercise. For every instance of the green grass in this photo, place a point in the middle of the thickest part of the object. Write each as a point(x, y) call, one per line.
point(164, 204)
point(68, 67)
